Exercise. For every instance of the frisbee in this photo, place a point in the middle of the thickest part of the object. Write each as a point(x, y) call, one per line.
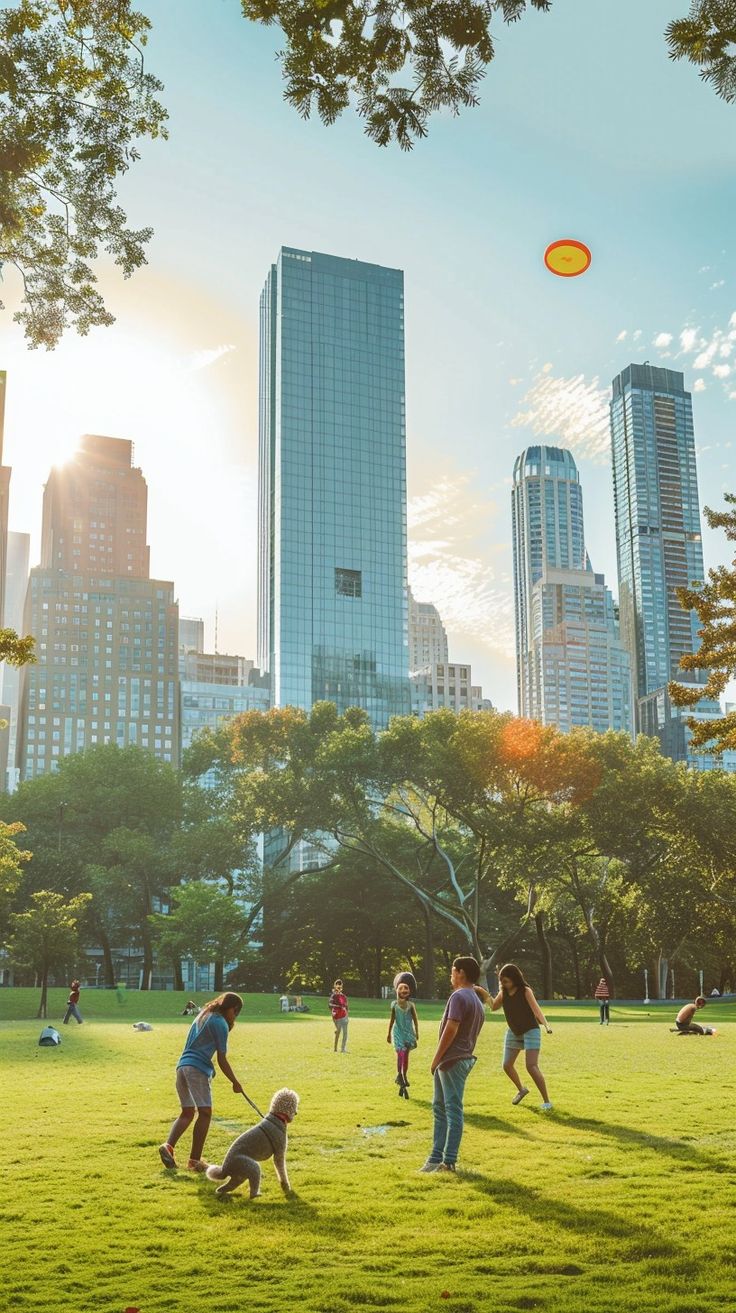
point(567, 258)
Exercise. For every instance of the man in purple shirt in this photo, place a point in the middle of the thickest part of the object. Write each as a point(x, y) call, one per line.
point(452, 1063)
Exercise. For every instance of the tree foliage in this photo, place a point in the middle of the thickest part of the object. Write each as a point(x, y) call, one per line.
point(399, 62)
point(15, 650)
point(707, 37)
point(75, 99)
point(12, 860)
point(714, 603)
point(45, 937)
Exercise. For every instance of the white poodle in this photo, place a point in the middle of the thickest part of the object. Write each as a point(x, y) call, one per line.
point(267, 1138)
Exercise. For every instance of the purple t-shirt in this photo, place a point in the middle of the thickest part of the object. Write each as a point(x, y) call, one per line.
point(464, 1006)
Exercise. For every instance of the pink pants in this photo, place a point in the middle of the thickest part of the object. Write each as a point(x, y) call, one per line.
point(402, 1061)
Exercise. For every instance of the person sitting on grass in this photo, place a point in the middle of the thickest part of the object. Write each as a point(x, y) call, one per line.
point(208, 1035)
point(684, 1019)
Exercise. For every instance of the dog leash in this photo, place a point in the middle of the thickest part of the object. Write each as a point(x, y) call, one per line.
point(252, 1104)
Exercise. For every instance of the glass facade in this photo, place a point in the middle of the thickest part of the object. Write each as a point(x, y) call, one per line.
point(572, 668)
point(658, 531)
point(658, 544)
point(332, 611)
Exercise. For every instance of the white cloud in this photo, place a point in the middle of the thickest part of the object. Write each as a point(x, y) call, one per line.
point(206, 357)
point(689, 339)
point(574, 411)
point(699, 385)
point(721, 371)
point(637, 334)
point(448, 565)
point(704, 269)
point(621, 335)
point(720, 283)
point(662, 339)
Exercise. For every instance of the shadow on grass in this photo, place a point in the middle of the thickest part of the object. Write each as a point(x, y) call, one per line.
point(593, 1223)
point(627, 1135)
point(484, 1121)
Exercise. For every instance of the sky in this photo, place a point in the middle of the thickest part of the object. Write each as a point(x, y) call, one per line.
point(585, 129)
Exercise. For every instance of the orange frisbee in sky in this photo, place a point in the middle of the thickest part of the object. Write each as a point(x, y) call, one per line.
point(567, 258)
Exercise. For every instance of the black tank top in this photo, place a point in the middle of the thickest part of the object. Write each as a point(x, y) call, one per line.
point(518, 1013)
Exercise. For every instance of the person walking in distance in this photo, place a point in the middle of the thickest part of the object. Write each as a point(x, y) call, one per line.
point(338, 1006)
point(71, 1004)
point(524, 1019)
point(452, 1063)
point(603, 994)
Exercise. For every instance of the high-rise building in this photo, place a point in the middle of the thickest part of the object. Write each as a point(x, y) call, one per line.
point(106, 635)
point(572, 666)
point(191, 638)
point(332, 621)
point(95, 512)
point(658, 541)
point(446, 684)
point(427, 635)
point(4, 498)
point(16, 585)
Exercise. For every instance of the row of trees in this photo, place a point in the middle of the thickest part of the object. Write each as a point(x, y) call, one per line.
point(578, 854)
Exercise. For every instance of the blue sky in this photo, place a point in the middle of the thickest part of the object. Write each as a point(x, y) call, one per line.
point(585, 129)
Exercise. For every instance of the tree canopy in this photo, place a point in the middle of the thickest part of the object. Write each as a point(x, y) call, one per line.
point(76, 98)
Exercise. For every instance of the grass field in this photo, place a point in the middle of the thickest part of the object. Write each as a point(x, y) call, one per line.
point(622, 1198)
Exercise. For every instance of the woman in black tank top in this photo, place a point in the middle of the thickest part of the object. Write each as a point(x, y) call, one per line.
point(524, 1018)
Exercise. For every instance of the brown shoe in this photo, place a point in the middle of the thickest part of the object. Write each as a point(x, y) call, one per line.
point(167, 1155)
point(197, 1165)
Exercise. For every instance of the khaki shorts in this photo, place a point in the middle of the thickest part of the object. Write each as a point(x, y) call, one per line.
point(193, 1087)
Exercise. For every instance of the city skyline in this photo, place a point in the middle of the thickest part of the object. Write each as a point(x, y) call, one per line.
point(500, 354)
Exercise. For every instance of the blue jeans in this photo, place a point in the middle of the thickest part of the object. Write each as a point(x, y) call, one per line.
point(447, 1106)
point(72, 1011)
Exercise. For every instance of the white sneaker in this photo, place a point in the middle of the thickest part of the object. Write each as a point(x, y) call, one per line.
point(521, 1095)
point(546, 1107)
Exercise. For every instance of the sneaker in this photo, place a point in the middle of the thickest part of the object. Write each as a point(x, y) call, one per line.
point(546, 1107)
point(446, 1167)
point(197, 1165)
point(398, 1080)
point(429, 1166)
point(521, 1095)
point(166, 1155)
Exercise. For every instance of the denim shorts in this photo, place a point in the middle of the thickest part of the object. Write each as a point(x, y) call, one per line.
point(531, 1039)
point(193, 1087)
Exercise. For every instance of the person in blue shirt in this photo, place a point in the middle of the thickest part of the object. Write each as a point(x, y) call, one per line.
point(208, 1035)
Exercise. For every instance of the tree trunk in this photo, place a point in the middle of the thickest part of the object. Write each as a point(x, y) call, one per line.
point(576, 968)
point(663, 971)
point(429, 973)
point(603, 962)
point(178, 974)
point(147, 970)
point(219, 975)
point(109, 965)
point(545, 949)
point(44, 993)
point(378, 967)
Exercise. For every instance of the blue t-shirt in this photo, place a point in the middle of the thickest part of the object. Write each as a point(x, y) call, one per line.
point(203, 1041)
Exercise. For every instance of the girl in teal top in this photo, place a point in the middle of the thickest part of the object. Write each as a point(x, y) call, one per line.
point(405, 1026)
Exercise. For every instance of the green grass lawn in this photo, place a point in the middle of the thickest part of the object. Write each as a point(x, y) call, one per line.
point(621, 1198)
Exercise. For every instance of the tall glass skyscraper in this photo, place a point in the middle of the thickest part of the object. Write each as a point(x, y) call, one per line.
point(332, 622)
point(658, 540)
point(572, 668)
